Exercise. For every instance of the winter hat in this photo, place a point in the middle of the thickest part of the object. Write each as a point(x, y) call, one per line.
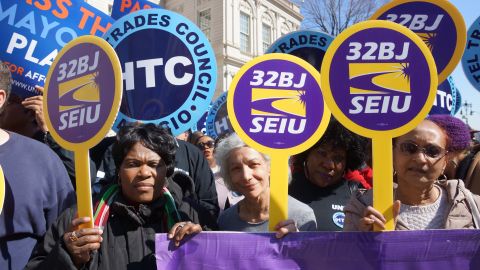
point(456, 129)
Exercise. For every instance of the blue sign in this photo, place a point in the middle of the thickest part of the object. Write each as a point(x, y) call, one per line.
point(169, 69)
point(121, 8)
point(458, 102)
point(33, 32)
point(446, 99)
point(308, 45)
point(201, 124)
point(471, 57)
point(217, 118)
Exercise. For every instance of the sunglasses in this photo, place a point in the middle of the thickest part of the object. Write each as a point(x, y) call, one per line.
point(430, 151)
point(203, 145)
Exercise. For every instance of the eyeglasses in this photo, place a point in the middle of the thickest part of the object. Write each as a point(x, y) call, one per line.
point(208, 144)
point(431, 151)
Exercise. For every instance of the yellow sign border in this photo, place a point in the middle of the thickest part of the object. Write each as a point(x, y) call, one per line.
point(2, 189)
point(325, 71)
point(244, 136)
point(460, 27)
point(118, 88)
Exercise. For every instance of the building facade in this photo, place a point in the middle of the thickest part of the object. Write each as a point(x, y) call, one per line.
point(238, 30)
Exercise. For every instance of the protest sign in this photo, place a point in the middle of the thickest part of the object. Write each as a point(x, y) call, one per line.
point(471, 57)
point(217, 118)
point(276, 106)
point(306, 44)
point(169, 69)
point(437, 22)
point(82, 97)
point(201, 124)
point(458, 101)
point(446, 98)
point(34, 31)
point(379, 80)
point(123, 7)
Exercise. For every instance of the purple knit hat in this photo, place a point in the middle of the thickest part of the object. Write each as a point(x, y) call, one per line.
point(456, 129)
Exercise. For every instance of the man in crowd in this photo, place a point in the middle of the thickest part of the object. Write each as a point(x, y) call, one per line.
point(37, 189)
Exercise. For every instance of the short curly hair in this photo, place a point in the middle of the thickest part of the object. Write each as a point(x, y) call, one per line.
point(338, 136)
point(158, 139)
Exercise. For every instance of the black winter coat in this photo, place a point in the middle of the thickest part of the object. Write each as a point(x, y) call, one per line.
point(128, 237)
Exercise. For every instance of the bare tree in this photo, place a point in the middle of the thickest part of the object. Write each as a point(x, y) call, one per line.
point(333, 16)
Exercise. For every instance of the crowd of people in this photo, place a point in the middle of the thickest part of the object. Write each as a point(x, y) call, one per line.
point(146, 181)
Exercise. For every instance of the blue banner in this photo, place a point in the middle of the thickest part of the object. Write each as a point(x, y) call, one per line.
point(121, 8)
point(396, 250)
point(33, 32)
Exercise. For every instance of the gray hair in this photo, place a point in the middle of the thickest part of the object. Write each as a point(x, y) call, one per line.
point(5, 79)
point(222, 153)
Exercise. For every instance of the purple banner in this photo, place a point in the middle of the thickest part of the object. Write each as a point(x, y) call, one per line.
point(406, 250)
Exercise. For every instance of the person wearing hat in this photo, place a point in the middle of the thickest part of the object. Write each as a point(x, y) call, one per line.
point(464, 163)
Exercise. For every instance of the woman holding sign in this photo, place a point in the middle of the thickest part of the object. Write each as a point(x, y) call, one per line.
point(145, 201)
point(422, 201)
point(247, 172)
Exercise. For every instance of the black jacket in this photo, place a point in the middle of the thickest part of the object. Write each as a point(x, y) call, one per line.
point(188, 159)
point(128, 237)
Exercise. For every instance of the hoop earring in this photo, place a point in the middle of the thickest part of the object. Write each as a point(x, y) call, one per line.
point(442, 177)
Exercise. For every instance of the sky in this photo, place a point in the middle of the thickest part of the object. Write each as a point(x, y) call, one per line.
point(470, 12)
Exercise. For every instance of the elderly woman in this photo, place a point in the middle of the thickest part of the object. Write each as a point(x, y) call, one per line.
point(247, 172)
point(422, 202)
point(319, 175)
point(145, 201)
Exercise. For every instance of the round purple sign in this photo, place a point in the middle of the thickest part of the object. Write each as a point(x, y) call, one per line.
point(378, 75)
point(83, 92)
point(438, 23)
point(275, 100)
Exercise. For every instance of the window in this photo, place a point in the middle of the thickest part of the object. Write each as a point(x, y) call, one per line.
point(204, 19)
point(244, 32)
point(266, 36)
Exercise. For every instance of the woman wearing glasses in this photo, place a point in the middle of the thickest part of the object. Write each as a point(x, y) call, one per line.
point(421, 200)
point(226, 198)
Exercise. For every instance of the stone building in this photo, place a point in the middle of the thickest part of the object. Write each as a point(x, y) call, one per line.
point(237, 29)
